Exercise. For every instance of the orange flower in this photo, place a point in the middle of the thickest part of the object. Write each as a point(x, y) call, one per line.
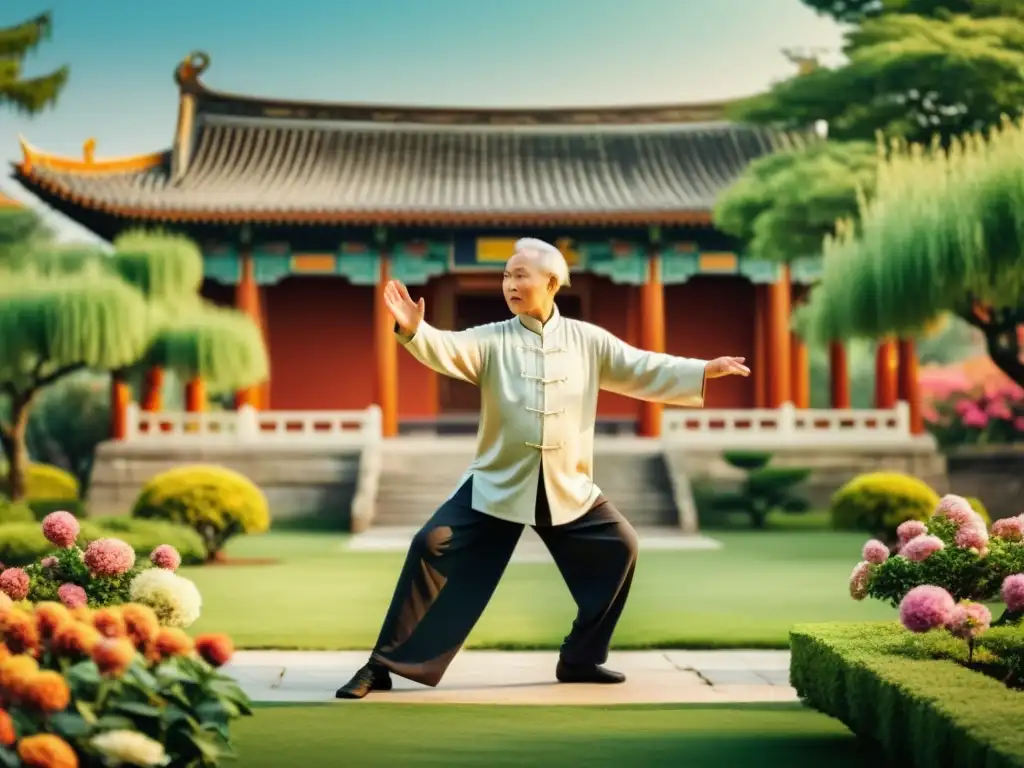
point(109, 622)
point(16, 673)
point(20, 632)
point(48, 692)
point(141, 623)
point(113, 656)
point(82, 613)
point(216, 650)
point(75, 640)
point(170, 641)
point(7, 734)
point(5, 652)
point(50, 617)
point(44, 750)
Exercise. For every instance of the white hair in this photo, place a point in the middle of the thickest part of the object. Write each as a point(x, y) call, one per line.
point(548, 257)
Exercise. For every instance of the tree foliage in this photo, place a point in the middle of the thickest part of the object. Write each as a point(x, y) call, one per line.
point(786, 203)
point(908, 76)
point(943, 232)
point(29, 95)
point(856, 11)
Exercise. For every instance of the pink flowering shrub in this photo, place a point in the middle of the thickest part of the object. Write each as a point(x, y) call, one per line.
point(925, 608)
point(955, 553)
point(99, 574)
point(966, 414)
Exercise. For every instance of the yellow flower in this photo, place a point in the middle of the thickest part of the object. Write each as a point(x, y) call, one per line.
point(129, 747)
point(16, 673)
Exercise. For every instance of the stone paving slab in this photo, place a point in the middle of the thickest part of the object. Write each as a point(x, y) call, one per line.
point(506, 677)
point(530, 548)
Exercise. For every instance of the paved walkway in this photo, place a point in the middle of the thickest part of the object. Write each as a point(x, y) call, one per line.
point(501, 677)
point(530, 548)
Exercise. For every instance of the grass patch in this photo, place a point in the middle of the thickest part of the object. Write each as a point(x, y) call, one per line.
point(921, 711)
point(367, 734)
point(747, 594)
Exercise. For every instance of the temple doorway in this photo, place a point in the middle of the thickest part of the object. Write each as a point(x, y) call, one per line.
point(472, 309)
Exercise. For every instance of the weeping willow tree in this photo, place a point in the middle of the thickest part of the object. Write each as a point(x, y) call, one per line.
point(53, 325)
point(29, 95)
point(944, 231)
point(68, 309)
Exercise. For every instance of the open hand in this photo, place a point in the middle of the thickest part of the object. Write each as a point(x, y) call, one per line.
point(407, 313)
point(726, 366)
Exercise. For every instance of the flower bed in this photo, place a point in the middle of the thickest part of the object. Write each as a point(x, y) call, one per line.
point(105, 573)
point(111, 687)
point(922, 711)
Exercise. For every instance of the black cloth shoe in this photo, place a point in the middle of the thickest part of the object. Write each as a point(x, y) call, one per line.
point(587, 673)
point(372, 677)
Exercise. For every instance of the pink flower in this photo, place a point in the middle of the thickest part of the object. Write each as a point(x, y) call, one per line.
point(49, 562)
point(926, 607)
point(1013, 592)
point(1009, 529)
point(958, 510)
point(14, 582)
point(72, 595)
point(61, 529)
point(921, 548)
point(965, 406)
point(972, 537)
point(975, 418)
point(999, 409)
point(875, 552)
point(860, 580)
point(910, 529)
point(968, 619)
point(165, 556)
point(109, 557)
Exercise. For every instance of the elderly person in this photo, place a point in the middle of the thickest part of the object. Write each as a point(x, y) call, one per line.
point(539, 376)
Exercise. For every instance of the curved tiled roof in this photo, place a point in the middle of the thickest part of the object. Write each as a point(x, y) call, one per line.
point(272, 161)
point(366, 173)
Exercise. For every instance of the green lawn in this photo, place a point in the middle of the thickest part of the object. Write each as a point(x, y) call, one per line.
point(747, 594)
point(366, 734)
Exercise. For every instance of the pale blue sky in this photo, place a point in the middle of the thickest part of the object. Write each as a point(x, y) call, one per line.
point(443, 52)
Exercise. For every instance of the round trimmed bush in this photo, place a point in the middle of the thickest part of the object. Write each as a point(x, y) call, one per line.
point(217, 502)
point(43, 481)
point(877, 502)
point(15, 512)
point(747, 460)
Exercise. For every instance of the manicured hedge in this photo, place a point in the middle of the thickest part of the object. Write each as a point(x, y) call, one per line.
point(923, 712)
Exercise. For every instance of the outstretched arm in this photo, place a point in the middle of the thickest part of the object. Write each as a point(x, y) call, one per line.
point(661, 378)
point(456, 354)
point(459, 354)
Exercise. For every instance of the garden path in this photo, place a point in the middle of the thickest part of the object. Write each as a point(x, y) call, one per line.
point(502, 677)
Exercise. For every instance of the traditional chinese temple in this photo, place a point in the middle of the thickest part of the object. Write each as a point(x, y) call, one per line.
point(303, 210)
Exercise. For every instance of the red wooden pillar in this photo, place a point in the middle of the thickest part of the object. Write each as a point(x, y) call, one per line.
point(120, 397)
point(386, 354)
point(760, 365)
point(779, 351)
point(152, 393)
point(195, 396)
point(247, 301)
point(652, 338)
point(839, 374)
point(908, 388)
point(886, 368)
point(800, 362)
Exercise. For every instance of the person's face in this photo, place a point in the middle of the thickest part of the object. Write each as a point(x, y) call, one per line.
point(527, 289)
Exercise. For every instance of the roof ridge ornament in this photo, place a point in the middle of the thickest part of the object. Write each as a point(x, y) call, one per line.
point(191, 68)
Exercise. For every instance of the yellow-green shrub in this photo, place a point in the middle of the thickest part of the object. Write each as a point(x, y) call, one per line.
point(43, 481)
point(877, 502)
point(217, 502)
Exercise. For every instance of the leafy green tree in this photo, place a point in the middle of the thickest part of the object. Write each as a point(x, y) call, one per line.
point(856, 11)
point(69, 310)
point(28, 95)
point(943, 232)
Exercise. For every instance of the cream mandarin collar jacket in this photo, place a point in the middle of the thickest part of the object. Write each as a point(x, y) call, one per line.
point(538, 390)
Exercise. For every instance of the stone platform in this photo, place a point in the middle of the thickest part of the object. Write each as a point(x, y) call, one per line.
point(502, 677)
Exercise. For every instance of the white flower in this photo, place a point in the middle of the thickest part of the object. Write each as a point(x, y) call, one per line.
point(130, 747)
point(175, 600)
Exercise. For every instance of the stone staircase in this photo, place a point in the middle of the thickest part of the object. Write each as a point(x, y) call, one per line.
point(418, 473)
